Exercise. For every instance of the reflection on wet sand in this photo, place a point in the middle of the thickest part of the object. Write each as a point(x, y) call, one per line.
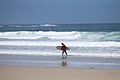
point(64, 61)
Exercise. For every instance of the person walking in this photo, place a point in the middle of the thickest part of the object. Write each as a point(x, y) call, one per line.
point(64, 48)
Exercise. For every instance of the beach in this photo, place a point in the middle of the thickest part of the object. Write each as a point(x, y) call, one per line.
point(28, 51)
point(29, 67)
point(36, 73)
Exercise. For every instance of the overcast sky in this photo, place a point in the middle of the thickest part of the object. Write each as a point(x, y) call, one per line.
point(59, 11)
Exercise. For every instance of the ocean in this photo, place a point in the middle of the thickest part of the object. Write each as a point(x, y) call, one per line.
point(98, 40)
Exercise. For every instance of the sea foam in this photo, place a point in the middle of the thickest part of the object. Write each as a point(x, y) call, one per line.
point(100, 44)
point(73, 35)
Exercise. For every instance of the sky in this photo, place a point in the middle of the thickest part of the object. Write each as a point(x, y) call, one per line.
point(59, 11)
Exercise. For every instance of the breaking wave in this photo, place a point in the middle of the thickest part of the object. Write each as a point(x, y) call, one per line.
point(105, 44)
point(73, 35)
point(48, 25)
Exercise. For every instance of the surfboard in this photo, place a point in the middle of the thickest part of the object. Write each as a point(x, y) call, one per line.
point(60, 48)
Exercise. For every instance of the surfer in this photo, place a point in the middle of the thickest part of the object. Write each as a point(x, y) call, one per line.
point(64, 49)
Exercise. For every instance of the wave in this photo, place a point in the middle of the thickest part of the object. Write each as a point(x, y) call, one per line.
point(18, 52)
point(56, 43)
point(51, 50)
point(48, 25)
point(44, 43)
point(52, 35)
point(1, 26)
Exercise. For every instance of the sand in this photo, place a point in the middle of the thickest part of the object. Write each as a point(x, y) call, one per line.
point(33, 73)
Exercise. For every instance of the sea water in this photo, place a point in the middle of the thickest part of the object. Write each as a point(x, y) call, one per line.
point(101, 40)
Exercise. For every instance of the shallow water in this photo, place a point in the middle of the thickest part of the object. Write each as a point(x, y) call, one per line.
point(60, 61)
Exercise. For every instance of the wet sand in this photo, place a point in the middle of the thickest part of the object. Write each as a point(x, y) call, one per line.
point(63, 73)
point(60, 61)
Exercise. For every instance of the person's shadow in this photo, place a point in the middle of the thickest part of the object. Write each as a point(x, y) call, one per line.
point(64, 61)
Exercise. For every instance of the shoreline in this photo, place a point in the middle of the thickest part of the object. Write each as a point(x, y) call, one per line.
point(60, 61)
point(63, 73)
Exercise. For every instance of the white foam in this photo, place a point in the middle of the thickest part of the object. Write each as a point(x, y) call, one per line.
point(48, 25)
point(56, 43)
point(19, 52)
point(31, 52)
point(37, 35)
point(79, 36)
point(79, 42)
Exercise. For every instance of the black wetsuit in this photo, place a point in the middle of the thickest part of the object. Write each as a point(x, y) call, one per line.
point(64, 49)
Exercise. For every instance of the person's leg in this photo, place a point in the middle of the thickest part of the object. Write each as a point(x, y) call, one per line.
point(65, 52)
point(62, 52)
